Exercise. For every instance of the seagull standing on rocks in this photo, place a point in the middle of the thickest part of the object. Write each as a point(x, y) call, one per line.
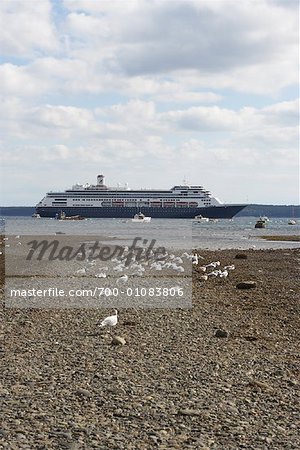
point(101, 275)
point(204, 277)
point(110, 321)
point(195, 259)
point(214, 273)
point(232, 267)
point(123, 279)
point(223, 274)
point(213, 264)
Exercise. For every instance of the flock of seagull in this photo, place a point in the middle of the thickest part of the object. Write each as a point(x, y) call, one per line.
point(135, 265)
point(112, 320)
point(131, 265)
point(213, 265)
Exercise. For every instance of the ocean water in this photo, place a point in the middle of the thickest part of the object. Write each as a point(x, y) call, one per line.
point(238, 233)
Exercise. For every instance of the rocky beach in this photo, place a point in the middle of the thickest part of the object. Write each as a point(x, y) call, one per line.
point(221, 375)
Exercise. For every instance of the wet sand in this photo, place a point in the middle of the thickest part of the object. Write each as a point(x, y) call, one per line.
point(174, 384)
point(283, 238)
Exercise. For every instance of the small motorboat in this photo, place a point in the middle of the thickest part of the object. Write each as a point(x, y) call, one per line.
point(261, 223)
point(201, 219)
point(36, 216)
point(140, 217)
point(292, 222)
point(265, 218)
point(62, 216)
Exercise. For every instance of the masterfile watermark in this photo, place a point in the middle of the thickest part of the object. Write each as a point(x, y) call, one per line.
point(61, 270)
point(53, 250)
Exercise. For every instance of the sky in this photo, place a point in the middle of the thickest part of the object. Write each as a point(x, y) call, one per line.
point(150, 92)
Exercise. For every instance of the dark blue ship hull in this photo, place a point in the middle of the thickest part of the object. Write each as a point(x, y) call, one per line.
point(212, 212)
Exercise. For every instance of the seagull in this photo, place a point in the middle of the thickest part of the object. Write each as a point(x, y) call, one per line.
point(214, 273)
point(91, 263)
point(110, 321)
point(138, 273)
point(123, 279)
point(178, 260)
point(204, 277)
point(187, 256)
point(156, 266)
point(195, 259)
point(213, 264)
point(179, 269)
point(232, 267)
point(223, 274)
point(101, 275)
point(81, 271)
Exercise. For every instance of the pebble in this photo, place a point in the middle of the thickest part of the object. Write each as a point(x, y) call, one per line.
point(221, 333)
point(189, 412)
point(246, 285)
point(84, 392)
point(261, 385)
point(241, 256)
point(118, 340)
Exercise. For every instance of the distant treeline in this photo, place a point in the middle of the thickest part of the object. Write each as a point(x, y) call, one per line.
point(270, 211)
point(250, 210)
point(16, 210)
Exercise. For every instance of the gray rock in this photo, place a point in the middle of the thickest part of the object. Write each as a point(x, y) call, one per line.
point(189, 412)
point(221, 333)
point(246, 285)
point(241, 256)
point(3, 432)
point(118, 340)
point(83, 392)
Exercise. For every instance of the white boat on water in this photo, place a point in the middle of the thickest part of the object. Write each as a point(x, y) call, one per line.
point(36, 216)
point(292, 222)
point(201, 219)
point(140, 218)
point(264, 218)
point(261, 223)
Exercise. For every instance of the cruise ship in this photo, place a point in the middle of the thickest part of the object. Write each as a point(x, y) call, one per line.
point(181, 201)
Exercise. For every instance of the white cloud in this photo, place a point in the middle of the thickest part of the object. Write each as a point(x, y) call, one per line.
point(27, 28)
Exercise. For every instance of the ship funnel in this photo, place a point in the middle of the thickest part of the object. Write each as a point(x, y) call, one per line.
point(100, 180)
